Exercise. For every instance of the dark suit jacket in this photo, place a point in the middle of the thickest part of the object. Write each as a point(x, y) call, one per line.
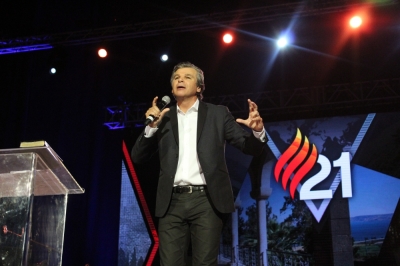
point(215, 126)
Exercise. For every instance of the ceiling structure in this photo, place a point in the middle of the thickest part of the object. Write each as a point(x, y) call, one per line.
point(311, 80)
point(180, 24)
point(331, 100)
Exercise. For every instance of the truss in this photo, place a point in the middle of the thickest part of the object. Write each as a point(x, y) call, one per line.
point(184, 24)
point(338, 99)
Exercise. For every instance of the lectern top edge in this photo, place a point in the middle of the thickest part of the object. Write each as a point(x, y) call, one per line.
point(49, 162)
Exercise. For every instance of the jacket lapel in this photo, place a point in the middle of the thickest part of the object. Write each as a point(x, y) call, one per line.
point(201, 119)
point(174, 122)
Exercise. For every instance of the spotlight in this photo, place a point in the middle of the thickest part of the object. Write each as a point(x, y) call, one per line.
point(227, 38)
point(164, 57)
point(282, 42)
point(355, 22)
point(102, 53)
point(57, 60)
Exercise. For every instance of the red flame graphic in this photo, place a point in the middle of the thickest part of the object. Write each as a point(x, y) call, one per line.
point(297, 156)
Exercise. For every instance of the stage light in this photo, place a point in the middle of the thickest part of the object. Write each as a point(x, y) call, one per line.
point(355, 22)
point(164, 58)
point(282, 42)
point(57, 60)
point(102, 53)
point(227, 38)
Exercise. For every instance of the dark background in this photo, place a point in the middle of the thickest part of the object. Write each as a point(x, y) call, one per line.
point(68, 109)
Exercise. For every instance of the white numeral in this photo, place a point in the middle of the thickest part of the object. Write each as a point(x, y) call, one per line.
point(306, 193)
point(344, 163)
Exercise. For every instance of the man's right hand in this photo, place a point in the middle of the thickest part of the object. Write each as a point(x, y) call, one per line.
point(156, 113)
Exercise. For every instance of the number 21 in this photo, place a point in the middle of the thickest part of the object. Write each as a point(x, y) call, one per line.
point(345, 175)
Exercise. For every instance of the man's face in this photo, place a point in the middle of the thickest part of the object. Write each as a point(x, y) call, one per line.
point(184, 83)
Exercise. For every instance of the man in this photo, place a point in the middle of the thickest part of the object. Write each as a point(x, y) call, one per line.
point(194, 190)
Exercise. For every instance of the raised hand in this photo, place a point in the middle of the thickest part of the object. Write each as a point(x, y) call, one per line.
point(254, 121)
point(156, 113)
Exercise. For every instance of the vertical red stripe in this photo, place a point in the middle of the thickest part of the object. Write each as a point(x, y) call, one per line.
point(143, 203)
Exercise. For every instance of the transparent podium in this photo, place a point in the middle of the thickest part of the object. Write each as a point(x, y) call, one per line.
point(34, 188)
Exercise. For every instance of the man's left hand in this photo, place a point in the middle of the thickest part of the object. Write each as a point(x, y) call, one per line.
point(254, 121)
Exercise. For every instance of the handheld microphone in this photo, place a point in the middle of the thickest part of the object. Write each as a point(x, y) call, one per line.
point(161, 105)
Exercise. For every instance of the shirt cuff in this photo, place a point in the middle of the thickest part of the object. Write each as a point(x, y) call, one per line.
point(260, 135)
point(149, 131)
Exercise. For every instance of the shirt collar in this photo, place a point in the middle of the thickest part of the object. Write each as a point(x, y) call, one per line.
point(194, 108)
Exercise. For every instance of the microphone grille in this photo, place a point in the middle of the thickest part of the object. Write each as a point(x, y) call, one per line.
point(166, 99)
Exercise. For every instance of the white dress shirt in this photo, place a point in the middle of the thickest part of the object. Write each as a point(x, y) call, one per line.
point(189, 169)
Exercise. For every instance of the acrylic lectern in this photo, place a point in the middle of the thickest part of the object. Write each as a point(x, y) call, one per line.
point(34, 188)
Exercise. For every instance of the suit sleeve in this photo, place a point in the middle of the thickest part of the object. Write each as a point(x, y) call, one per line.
point(240, 138)
point(144, 148)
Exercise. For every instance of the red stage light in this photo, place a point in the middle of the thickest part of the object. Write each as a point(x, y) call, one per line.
point(228, 38)
point(102, 53)
point(355, 22)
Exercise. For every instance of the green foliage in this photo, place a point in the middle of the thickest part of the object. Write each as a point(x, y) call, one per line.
point(366, 251)
point(294, 231)
point(280, 236)
point(301, 221)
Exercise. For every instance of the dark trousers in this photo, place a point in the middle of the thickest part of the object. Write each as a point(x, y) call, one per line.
point(190, 219)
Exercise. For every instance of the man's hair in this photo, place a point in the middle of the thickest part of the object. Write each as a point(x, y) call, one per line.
point(199, 76)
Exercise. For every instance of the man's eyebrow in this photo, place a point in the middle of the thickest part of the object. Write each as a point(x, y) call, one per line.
point(186, 75)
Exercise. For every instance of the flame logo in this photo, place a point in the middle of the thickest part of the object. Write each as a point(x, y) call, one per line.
point(297, 160)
